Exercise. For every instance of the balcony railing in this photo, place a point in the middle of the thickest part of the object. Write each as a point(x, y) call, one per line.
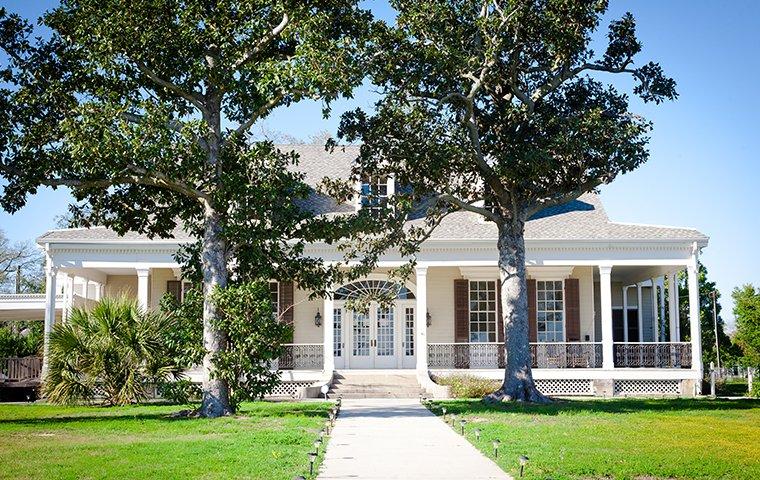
point(653, 355)
point(20, 370)
point(300, 356)
point(566, 355)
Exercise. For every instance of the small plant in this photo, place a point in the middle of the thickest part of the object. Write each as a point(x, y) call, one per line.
point(468, 386)
point(20, 339)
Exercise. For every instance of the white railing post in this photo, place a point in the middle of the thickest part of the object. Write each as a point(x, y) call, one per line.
point(605, 286)
point(421, 322)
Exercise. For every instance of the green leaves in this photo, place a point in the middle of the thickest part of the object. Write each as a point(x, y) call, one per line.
point(115, 348)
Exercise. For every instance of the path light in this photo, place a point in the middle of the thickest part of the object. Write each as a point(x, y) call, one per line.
point(322, 434)
point(496, 444)
point(312, 458)
point(327, 427)
point(523, 462)
point(477, 434)
point(299, 477)
point(443, 409)
point(462, 423)
point(453, 419)
point(317, 444)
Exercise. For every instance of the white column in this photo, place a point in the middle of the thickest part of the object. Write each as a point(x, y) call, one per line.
point(661, 285)
point(328, 326)
point(673, 306)
point(605, 287)
point(143, 288)
point(640, 311)
point(695, 330)
point(50, 294)
point(420, 322)
point(655, 316)
point(68, 296)
point(625, 314)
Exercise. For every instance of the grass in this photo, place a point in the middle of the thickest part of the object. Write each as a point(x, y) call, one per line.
point(622, 439)
point(263, 441)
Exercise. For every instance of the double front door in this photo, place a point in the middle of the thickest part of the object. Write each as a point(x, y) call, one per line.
point(381, 337)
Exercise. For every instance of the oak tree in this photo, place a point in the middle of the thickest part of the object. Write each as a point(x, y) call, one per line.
point(143, 110)
point(501, 108)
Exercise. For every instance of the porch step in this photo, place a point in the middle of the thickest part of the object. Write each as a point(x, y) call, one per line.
point(390, 385)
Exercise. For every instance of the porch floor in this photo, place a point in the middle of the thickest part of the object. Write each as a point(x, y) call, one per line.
point(399, 438)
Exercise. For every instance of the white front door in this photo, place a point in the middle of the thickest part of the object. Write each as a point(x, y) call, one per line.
point(374, 338)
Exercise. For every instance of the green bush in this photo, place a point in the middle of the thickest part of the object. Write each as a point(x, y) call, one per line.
point(182, 391)
point(21, 339)
point(468, 386)
point(115, 349)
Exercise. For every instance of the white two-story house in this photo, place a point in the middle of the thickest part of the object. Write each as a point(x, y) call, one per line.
point(600, 322)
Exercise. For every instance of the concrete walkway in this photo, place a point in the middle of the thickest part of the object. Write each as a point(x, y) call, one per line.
point(399, 438)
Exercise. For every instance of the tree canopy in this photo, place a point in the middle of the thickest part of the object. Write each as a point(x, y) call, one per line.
point(502, 108)
point(747, 312)
point(143, 111)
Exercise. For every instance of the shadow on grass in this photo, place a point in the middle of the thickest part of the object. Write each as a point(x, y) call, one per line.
point(620, 406)
point(119, 414)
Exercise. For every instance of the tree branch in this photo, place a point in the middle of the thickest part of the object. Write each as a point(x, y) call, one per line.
point(192, 97)
point(562, 198)
point(469, 207)
point(263, 42)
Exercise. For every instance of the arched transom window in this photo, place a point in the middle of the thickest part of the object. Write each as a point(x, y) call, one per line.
point(372, 288)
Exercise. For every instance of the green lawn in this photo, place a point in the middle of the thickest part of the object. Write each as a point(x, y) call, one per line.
point(264, 441)
point(627, 439)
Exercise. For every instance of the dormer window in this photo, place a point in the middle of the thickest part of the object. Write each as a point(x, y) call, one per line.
point(374, 193)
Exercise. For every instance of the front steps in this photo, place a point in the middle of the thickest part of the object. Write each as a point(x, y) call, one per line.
point(355, 384)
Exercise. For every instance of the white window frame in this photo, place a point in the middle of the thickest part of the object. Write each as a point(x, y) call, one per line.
point(486, 312)
point(554, 311)
point(389, 192)
point(276, 305)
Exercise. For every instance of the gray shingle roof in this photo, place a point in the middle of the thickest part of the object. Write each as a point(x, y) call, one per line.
point(582, 219)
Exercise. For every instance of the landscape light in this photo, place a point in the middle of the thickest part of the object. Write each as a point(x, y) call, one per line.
point(477, 434)
point(312, 458)
point(462, 423)
point(496, 444)
point(523, 462)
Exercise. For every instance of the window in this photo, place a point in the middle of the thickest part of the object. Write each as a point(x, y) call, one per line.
point(374, 194)
point(337, 332)
point(483, 311)
point(550, 311)
point(409, 331)
point(274, 292)
point(372, 288)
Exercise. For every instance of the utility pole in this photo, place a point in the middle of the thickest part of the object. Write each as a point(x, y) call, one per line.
point(714, 294)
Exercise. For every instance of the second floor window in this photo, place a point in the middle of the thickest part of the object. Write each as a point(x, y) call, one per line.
point(374, 193)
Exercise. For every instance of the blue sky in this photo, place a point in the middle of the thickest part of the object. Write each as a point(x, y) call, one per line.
point(704, 170)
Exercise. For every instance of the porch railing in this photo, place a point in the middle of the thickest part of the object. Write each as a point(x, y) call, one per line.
point(653, 355)
point(466, 355)
point(300, 356)
point(491, 355)
point(20, 369)
point(566, 355)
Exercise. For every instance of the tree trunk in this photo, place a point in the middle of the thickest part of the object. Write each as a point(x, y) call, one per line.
point(518, 379)
point(216, 393)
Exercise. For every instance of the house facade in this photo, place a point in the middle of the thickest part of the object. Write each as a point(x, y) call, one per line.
point(602, 321)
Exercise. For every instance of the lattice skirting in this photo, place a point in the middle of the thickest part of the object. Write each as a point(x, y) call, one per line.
point(647, 387)
point(289, 389)
point(565, 386)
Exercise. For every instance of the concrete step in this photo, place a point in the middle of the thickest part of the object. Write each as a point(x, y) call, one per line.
point(375, 385)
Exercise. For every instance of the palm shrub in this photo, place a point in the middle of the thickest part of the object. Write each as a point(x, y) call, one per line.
point(115, 348)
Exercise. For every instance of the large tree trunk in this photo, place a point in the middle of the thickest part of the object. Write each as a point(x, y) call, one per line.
point(216, 393)
point(518, 379)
